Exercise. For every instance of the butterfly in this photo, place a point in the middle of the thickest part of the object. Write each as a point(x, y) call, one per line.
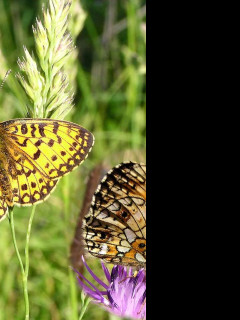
point(115, 227)
point(34, 155)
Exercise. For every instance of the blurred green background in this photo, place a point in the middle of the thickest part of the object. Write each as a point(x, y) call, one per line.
point(107, 74)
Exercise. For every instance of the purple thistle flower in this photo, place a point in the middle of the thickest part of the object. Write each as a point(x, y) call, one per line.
point(124, 294)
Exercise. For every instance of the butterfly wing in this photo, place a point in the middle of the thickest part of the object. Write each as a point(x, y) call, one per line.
point(5, 189)
point(115, 228)
point(3, 205)
point(39, 152)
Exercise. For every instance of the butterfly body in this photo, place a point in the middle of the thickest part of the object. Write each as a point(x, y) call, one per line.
point(115, 228)
point(34, 155)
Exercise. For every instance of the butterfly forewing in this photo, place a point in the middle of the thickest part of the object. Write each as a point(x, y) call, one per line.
point(55, 147)
point(37, 152)
point(115, 228)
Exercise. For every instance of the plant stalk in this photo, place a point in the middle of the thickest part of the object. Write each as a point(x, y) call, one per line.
point(24, 271)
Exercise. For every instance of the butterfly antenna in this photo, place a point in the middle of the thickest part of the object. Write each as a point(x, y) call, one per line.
point(4, 79)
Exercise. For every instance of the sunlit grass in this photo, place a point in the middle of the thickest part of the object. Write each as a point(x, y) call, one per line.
point(110, 102)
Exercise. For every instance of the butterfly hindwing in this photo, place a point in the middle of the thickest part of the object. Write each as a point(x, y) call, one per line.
point(31, 187)
point(115, 228)
point(3, 205)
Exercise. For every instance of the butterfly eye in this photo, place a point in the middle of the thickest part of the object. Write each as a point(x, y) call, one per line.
point(142, 245)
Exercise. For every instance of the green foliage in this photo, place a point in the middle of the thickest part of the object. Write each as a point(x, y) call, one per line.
point(43, 79)
point(106, 71)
